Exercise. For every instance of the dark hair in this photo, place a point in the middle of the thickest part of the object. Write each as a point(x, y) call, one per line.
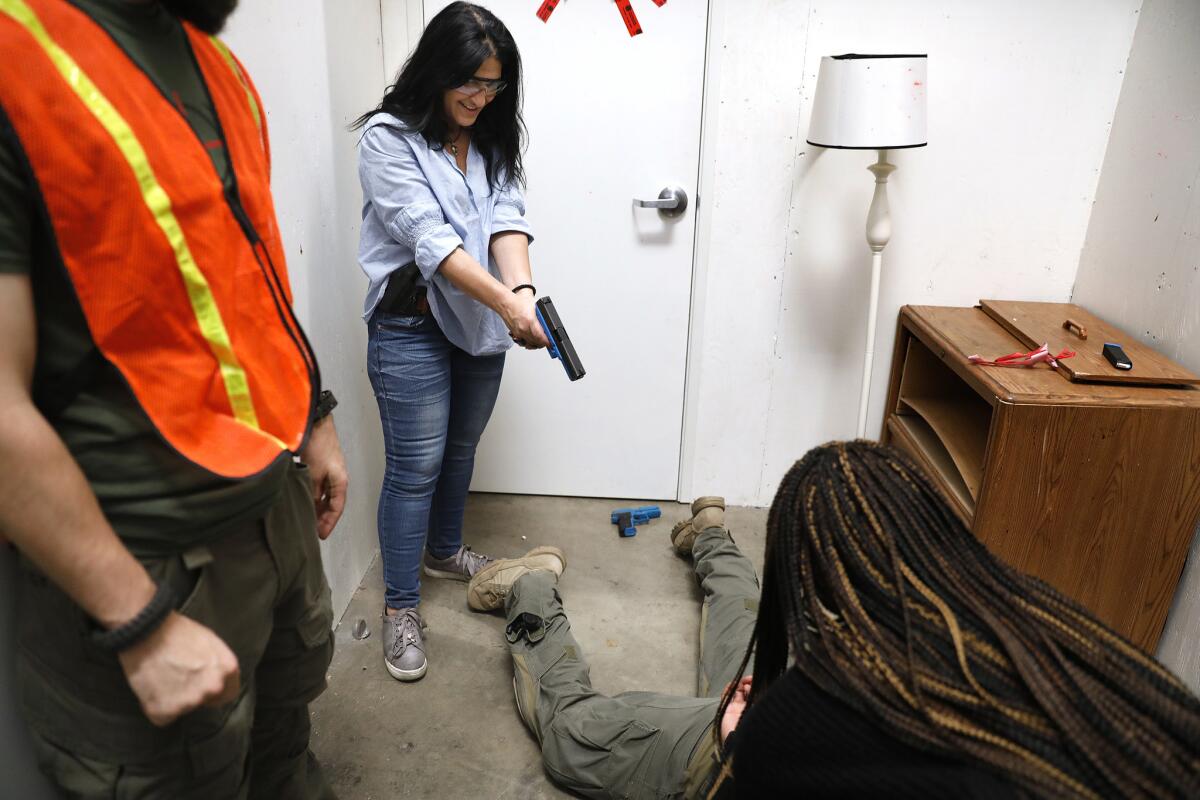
point(454, 44)
point(882, 598)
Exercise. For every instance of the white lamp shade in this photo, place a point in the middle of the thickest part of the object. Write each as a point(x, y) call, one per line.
point(874, 102)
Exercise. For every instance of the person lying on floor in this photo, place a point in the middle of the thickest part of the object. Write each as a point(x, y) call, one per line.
point(893, 656)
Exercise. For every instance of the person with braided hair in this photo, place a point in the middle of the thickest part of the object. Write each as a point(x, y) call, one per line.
point(892, 656)
point(877, 598)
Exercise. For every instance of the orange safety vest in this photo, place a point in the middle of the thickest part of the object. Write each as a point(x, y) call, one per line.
point(184, 287)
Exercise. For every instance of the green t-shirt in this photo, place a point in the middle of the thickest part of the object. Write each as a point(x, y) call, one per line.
point(155, 499)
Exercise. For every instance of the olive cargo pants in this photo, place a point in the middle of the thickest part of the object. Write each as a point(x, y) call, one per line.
point(263, 591)
point(635, 744)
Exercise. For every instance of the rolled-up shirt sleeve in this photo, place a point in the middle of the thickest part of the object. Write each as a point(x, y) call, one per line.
point(509, 214)
point(395, 186)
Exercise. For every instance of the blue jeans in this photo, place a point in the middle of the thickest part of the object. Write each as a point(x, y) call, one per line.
point(434, 402)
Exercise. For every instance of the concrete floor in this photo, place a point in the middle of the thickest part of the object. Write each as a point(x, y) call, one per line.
point(633, 605)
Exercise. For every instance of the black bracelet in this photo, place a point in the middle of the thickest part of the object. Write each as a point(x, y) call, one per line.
point(326, 403)
point(141, 626)
point(525, 286)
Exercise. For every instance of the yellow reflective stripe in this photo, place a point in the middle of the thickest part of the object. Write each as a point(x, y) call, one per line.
point(204, 305)
point(237, 70)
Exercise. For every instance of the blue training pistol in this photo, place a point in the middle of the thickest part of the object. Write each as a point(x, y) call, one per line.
point(560, 343)
point(627, 519)
point(640, 515)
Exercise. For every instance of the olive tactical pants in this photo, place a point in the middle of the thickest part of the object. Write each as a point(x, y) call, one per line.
point(263, 591)
point(635, 744)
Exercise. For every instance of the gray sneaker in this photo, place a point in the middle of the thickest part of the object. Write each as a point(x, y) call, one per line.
point(404, 645)
point(461, 566)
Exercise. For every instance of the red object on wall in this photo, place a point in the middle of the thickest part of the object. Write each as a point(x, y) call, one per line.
point(631, 20)
point(624, 6)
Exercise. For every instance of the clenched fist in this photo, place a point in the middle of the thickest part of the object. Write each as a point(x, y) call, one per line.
point(180, 667)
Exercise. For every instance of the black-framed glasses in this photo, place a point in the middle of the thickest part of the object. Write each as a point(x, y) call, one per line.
point(477, 85)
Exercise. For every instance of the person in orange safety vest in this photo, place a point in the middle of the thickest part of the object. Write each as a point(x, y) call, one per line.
point(164, 409)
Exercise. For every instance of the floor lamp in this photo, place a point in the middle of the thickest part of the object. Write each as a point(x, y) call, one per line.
point(871, 102)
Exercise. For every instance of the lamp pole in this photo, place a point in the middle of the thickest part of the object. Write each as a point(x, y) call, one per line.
point(879, 231)
point(871, 102)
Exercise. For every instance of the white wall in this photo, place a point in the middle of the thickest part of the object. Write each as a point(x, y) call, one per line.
point(1141, 259)
point(318, 64)
point(1021, 95)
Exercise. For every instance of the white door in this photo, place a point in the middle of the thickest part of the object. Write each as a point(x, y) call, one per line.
point(611, 118)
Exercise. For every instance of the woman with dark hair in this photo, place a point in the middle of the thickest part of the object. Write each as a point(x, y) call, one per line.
point(893, 657)
point(445, 245)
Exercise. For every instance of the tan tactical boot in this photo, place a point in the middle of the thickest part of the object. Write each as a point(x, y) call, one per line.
point(707, 512)
point(491, 585)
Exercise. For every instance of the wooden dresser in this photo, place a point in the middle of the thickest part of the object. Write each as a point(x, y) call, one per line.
point(1093, 487)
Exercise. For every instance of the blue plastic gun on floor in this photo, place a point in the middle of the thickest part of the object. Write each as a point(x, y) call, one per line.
point(626, 519)
point(560, 343)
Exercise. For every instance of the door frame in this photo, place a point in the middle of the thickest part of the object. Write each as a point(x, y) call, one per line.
point(396, 16)
point(709, 108)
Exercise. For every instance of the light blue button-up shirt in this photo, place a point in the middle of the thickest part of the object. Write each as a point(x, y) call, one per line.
point(418, 206)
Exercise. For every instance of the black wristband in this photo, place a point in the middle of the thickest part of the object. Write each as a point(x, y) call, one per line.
point(525, 286)
point(145, 623)
point(326, 403)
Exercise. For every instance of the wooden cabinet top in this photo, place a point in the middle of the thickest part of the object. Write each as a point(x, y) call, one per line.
point(954, 333)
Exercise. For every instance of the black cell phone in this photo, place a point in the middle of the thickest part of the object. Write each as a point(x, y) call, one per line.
point(1116, 356)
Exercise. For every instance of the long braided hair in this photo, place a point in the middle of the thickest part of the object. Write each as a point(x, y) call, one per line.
point(884, 600)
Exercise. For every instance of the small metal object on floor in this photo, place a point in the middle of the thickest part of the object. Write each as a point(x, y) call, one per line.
point(360, 630)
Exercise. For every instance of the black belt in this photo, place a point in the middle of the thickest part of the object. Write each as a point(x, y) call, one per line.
point(403, 297)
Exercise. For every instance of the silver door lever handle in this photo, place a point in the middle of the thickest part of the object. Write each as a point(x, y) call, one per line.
point(671, 202)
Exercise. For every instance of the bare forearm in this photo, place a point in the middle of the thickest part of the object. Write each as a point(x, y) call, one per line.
point(511, 251)
point(52, 516)
point(470, 276)
point(516, 310)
